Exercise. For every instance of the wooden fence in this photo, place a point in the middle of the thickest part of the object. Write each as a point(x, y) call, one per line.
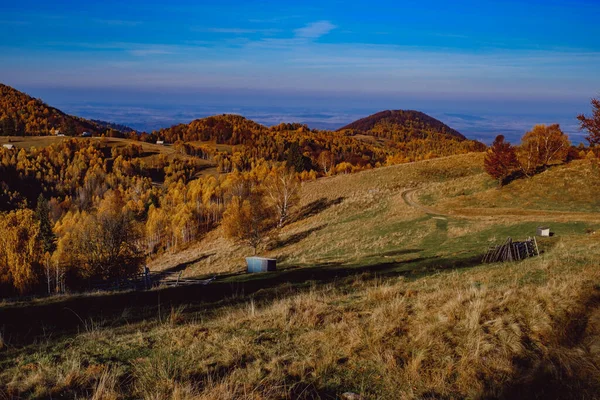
point(146, 281)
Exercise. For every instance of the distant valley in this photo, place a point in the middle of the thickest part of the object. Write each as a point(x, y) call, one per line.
point(483, 127)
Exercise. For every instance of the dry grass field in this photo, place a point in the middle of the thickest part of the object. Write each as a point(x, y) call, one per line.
point(379, 294)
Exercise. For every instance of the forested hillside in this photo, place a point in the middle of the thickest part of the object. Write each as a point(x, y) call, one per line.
point(308, 149)
point(23, 115)
point(403, 125)
point(92, 211)
point(406, 136)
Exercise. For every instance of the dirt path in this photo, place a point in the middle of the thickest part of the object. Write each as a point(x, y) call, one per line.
point(409, 198)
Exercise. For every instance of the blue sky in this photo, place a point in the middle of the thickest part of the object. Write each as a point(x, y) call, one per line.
point(460, 51)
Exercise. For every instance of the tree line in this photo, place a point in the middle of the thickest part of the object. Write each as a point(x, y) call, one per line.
point(79, 211)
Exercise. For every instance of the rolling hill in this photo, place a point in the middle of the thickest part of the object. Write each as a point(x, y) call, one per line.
point(403, 125)
point(389, 137)
point(385, 138)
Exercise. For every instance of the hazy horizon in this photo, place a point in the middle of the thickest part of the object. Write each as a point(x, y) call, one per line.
point(154, 109)
point(500, 62)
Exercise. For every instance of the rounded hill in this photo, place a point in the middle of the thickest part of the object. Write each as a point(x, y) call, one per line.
point(403, 125)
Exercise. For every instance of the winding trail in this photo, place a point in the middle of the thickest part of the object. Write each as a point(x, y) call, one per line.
point(408, 196)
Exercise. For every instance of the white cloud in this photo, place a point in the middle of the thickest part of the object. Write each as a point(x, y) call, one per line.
point(315, 30)
point(118, 22)
point(235, 31)
point(149, 51)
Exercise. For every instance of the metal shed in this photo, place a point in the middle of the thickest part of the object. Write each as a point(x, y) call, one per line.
point(261, 264)
point(543, 231)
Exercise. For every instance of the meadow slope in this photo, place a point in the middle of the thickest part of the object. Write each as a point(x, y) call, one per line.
point(379, 293)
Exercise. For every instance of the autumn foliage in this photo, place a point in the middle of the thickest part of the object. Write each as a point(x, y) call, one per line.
point(541, 147)
point(24, 115)
point(413, 137)
point(101, 210)
point(20, 251)
point(500, 160)
point(592, 124)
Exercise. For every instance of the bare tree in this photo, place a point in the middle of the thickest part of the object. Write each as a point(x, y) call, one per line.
point(282, 188)
point(326, 161)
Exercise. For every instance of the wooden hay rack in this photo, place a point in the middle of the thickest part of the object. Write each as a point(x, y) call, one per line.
point(512, 251)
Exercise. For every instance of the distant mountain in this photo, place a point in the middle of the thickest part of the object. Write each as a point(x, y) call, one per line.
point(403, 126)
point(21, 114)
point(113, 125)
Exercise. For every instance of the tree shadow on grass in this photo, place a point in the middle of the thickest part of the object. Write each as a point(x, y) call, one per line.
point(24, 324)
point(394, 253)
point(314, 208)
point(183, 266)
point(293, 239)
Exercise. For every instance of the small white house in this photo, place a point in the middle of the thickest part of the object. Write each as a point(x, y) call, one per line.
point(86, 134)
point(161, 142)
point(543, 231)
point(8, 146)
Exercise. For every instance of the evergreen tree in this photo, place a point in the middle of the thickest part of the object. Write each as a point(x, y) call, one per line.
point(8, 126)
point(294, 158)
point(69, 128)
point(46, 237)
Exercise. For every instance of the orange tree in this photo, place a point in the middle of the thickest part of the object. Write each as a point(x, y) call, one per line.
point(500, 160)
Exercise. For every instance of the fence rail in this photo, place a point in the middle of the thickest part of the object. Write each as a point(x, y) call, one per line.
point(149, 280)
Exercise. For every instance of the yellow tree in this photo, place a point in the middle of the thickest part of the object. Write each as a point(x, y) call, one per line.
point(21, 250)
point(248, 220)
point(158, 228)
point(111, 240)
point(104, 244)
point(542, 146)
